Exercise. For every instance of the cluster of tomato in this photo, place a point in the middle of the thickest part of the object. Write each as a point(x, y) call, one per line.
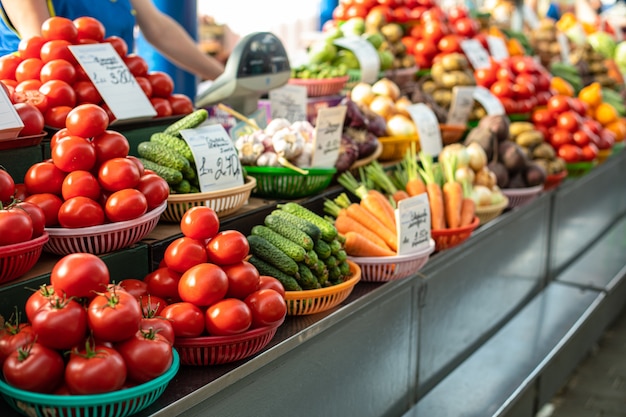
point(572, 133)
point(45, 73)
point(205, 287)
point(90, 179)
point(519, 82)
point(111, 344)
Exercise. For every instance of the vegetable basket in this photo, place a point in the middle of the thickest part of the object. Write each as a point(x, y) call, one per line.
point(120, 403)
point(451, 133)
point(21, 141)
point(224, 202)
point(19, 258)
point(394, 147)
point(449, 238)
point(279, 182)
point(603, 155)
point(215, 350)
point(578, 169)
point(317, 87)
point(103, 238)
point(300, 303)
point(354, 168)
point(554, 180)
point(521, 196)
point(490, 212)
point(390, 268)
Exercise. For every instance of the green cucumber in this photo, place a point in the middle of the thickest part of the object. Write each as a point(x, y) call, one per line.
point(289, 282)
point(163, 155)
point(174, 143)
point(302, 224)
point(288, 230)
point(329, 232)
point(190, 121)
point(307, 279)
point(172, 176)
point(262, 248)
point(291, 249)
point(322, 248)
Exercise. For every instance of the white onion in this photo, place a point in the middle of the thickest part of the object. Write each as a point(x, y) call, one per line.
point(477, 156)
point(399, 125)
point(457, 150)
point(402, 104)
point(386, 87)
point(481, 195)
point(362, 93)
point(383, 106)
point(463, 174)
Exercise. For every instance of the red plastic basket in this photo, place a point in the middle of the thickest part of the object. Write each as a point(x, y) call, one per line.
point(449, 238)
point(215, 350)
point(17, 259)
point(322, 86)
point(554, 180)
point(521, 196)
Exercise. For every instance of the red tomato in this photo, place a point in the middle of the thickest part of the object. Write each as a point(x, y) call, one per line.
point(502, 88)
point(593, 125)
point(28, 69)
point(145, 85)
point(558, 104)
point(425, 48)
point(80, 212)
point(15, 335)
point(606, 139)
point(433, 31)
point(7, 186)
point(126, 204)
point(265, 281)
point(86, 92)
point(118, 173)
point(227, 317)
point(31, 117)
point(154, 188)
point(200, 222)
point(119, 44)
point(136, 64)
point(184, 253)
point(162, 106)
point(158, 325)
point(33, 97)
point(109, 145)
point(73, 153)
point(147, 356)
point(28, 85)
point(94, 370)
point(50, 323)
point(186, 318)
point(505, 73)
point(56, 49)
point(16, 226)
point(523, 64)
point(568, 120)
point(59, 93)
point(578, 106)
point(57, 27)
point(89, 28)
point(55, 116)
point(543, 117)
point(114, 315)
point(139, 164)
point(267, 306)
point(30, 47)
point(37, 216)
point(80, 275)
point(58, 69)
point(44, 177)
point(561, 137)
point(339, 12)
point(151, 305)
point(134, 287)
point(228, 247)
point(203, 284)
point(570, 153)
point(162, 83)
point(81, 75)
point(181, 104)
point(163, 283)
point(523, 89)
point(466, 26)
point(8, 65)
point(589, 152)
point(582, 137)
point(243, 279)
point(456, 12)
point(22, 368)
point(450, 43)
point(50, 204)
point(485, 76)
point(356, 10)
point(81, 184)
point(44, 295)
point(87, 120)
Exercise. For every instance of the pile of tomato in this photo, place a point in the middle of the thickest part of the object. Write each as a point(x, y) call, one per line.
point(46, 74)
point(20, 221)
point(90, 179)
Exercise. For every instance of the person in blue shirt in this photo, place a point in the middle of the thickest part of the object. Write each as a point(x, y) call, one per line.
point(23, 19)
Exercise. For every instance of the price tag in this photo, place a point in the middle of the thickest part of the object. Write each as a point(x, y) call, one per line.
point(328, 129)
point(413, 224)
point(530, 17)
point(427, 128)
point(492, 105)
point(461, 105)
point(369, 62)
point(497, 48)
point(288, 102)
point(217, 161)
point(114, 81)
point(10, 122)
point(564, 47)
point(476, 53)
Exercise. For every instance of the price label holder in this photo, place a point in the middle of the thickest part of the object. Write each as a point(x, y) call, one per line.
point(288, 102)
point(413, 224)
point(328, 129)
point(114, 81)
point(427, 128)
point(497, 48)
point(10, 122)
point(366, 54)
point(491, 104)
point(476, 53)
point(563, 41)
point(461, 105)
point(530, 17)
point(217, 161)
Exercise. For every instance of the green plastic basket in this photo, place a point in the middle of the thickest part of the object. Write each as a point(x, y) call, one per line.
point(279, 182)
point(579, 169)
point(111, 404)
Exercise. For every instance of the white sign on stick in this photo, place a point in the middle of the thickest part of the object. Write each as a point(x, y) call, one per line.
point(413, 224)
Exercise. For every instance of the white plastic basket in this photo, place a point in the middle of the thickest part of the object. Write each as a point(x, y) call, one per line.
point(521, 196)
point(390, 268)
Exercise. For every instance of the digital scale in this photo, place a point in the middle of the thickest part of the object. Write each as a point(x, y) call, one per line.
point(257, 64)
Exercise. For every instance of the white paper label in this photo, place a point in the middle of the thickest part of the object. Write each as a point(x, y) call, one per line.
point(427, 128)
point(367, 55)
point(289, 102)
point(114, 81)
point(10, 122)
point(328, 129)
point(497, 48)
point(217, 161)
point(413, 224)
point(461, 105)
point(490, 103)
point(563, 47)
point(530, 17)
point(476, 53)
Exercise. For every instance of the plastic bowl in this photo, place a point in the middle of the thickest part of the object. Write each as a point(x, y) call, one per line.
point(490, 212)
point(391, 268)
point(103, 238)
point(521, 196)
point(115, 404)
point(17, 259)
point(322, 86)
point(279, 182)
point(554, 180)
point(449, 238)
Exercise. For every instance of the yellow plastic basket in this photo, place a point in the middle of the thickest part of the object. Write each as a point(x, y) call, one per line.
point(394, 147)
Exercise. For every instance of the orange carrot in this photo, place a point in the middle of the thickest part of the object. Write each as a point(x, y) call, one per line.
point(358, 245)
point(468, 211)
point(367, 219)
point(379, 206)
point(435, 201)
point(452, 198)
point(400, 195)
point(415, 186)
point(345, 224)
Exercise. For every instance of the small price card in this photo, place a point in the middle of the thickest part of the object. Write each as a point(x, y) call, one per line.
point(530, 17)
point(328, 129)
point(427, 128)
point(114, 81)
point(217, 161)
point(10, 122)
point(413, 224)
point(367, 55)
point(497, 48)
point(461, 105)
point(492, 105)
point(563, 47)
point(289, 102)
point(476, 53)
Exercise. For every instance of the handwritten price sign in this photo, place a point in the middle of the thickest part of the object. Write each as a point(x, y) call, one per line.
point(289, 102)
point(461, 105)
point(365, 53)
point(427, 128)
point(476, 53)
point(413, 225)
point(328, 128)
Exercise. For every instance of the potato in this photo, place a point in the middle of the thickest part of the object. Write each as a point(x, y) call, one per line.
point(454, 62)
point(454, 78)
point(442, 97)
point(529, 138)
point(544, 151)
